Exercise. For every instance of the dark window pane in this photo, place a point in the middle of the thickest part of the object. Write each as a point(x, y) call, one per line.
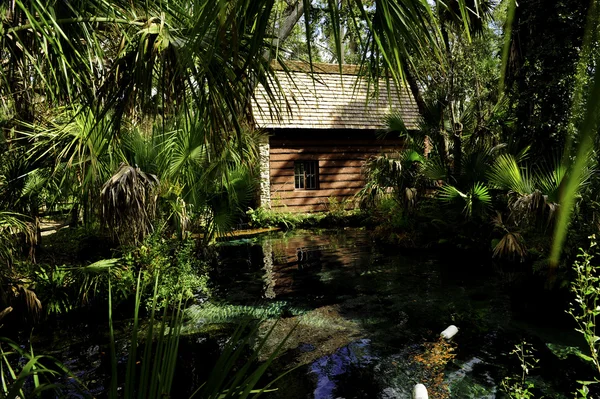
point(299, 175)
point(306, 175)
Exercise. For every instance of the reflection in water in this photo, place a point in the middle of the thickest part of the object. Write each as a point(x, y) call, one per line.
point(329, 367)
point(269, 276)
point(362, 312)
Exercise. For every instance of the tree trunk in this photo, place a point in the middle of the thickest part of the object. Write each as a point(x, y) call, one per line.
point(293, 14)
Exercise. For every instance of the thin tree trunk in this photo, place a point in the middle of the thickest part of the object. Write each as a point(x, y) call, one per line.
point(342, 34)
point(415, 90)
point(294, 12)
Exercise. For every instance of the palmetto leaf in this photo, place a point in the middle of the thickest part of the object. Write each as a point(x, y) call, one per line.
point(448, 193)
point(506, 174)
point(397, 174)
point(475, 202)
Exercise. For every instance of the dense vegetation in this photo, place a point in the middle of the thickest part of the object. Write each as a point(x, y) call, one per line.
point(130, 122)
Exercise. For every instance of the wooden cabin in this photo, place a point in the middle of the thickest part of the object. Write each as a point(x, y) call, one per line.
point(320, 133)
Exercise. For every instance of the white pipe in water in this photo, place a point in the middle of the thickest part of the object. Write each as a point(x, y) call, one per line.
point(449, 332)
point(420, 392)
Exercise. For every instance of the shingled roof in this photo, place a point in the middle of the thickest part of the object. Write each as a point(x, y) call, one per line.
point(331, 101)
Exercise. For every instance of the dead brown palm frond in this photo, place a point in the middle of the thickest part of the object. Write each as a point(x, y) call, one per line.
point(17, 296)
point(533, 208)
point(410, 197)
point(30, 303)
point(15, 229)
point(511, 245)
point(128, 204)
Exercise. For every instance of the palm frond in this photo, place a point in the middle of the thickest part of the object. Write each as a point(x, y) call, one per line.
point(128, 204)
point(15, 229)
point(506, 174)
point(475, 202)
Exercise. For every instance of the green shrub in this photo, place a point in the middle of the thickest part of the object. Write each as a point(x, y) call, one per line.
point(181, 270)
point(62, 288)
point(262, 217)
point(336, 216)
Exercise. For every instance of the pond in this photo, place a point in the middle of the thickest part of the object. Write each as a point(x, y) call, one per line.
point(361, 321)
point(365, 315)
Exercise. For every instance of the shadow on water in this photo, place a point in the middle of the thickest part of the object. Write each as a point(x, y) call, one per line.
point(363, 313)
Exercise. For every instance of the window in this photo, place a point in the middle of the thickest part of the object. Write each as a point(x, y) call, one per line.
point(306, 175)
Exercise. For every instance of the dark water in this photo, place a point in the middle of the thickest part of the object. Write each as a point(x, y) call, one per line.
point(364, 314)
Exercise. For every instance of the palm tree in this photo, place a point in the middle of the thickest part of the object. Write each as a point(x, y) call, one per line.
point(399, 175)
point(534, 195)
point(533, 200)
point(196, 177)
point(154, 57)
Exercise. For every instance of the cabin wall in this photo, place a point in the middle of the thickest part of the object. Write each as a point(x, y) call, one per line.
point(339, 155)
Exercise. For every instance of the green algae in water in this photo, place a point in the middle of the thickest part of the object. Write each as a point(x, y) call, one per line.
point(213, 313)
point(563, 351)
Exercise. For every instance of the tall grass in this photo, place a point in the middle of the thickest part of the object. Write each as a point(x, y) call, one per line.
point(232, 376)
point(26, 375)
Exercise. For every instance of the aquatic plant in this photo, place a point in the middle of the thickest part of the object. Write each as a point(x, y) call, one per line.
point(159, 356)
point(24, 374)
point(209, 313)
point(434, 358)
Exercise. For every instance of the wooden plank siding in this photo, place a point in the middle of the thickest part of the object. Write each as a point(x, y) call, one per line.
point(340, 159)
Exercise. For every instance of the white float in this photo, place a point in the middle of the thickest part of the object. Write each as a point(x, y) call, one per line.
point(449, 332)
point(420, 392)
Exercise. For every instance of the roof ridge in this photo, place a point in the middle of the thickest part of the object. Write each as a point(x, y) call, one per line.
point(318, 67)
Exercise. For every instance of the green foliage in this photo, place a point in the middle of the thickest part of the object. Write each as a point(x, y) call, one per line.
point(586, 119)
point(336, 209)
point(337, 215)
point(547, 40)
point(475, 202)
point(159, 357)
point(178, 263)
point(14, 227)
point(52, 286)
point(400, 175)
point(26, 375)
point(200, 182)
point(66, 287)
point(262, 217)
point(151, 362)
point(586, 289)
point(62, 289)
point(521, 387)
